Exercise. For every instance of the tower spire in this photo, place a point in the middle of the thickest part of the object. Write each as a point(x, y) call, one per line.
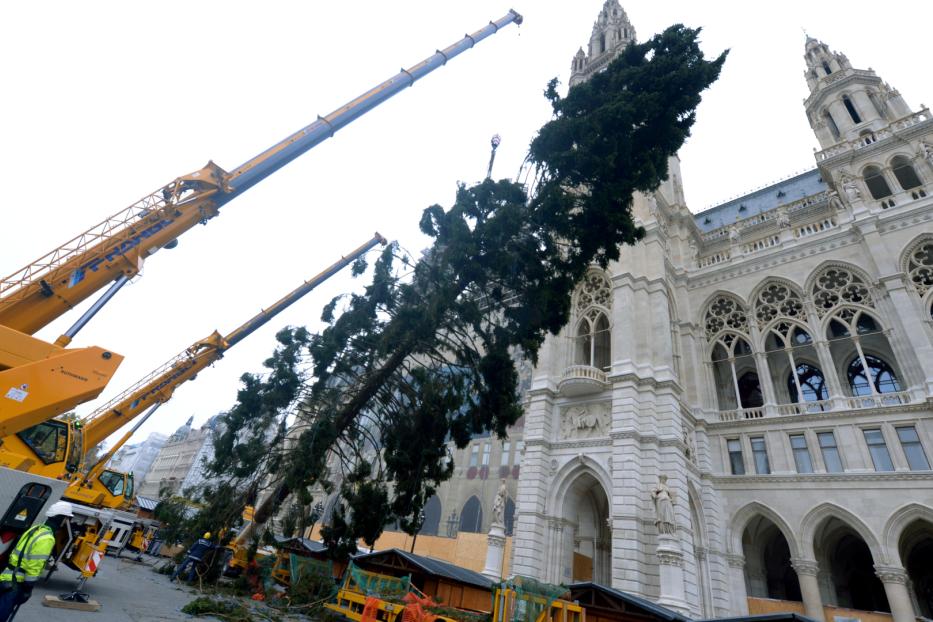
point(846, 103)
point(612, 31)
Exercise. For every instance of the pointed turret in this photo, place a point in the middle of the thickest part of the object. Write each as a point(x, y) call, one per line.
point(612, 31)
point(845, 103)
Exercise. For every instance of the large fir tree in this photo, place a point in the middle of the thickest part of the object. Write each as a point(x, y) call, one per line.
point(425, 354)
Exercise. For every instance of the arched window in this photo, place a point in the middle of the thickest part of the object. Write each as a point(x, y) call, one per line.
point(876, 183)
point(734, 367)
point(850, 108)
point(880, 378)
point(750, 390)
point(831, 124)
point(592, 336)
point(602, 43)
point(826, 68)
point(906, 175)
point(432, 517)
point(471, 517)
point(812, 384)
point(593, 341)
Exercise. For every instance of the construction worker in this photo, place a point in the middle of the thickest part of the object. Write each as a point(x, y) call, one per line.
point(28, 560)
point(195, 554)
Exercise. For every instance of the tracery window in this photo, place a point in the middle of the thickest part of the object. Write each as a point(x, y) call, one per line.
point(851, 332)
point(837, 286)
point(734, 368)
point(777, 300)
point(920, 267)
point(592, 336)
point(595, 290)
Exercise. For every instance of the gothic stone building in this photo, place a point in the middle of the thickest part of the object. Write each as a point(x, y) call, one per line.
point(773, 357)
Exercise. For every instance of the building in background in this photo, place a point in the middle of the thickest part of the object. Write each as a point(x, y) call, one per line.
point(138, 458)
point(737, 418)
point(177, 458)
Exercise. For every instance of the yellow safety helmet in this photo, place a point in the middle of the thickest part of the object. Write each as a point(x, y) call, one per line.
point(207, 535)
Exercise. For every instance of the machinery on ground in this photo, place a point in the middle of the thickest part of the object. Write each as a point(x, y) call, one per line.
point(100, 496)
point(39, 380)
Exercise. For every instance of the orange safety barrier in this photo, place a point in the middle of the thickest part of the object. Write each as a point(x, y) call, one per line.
point(415, 607)
point(370, 610)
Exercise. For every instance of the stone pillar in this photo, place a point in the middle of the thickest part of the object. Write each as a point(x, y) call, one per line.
point(809, 587)
point(895, 587)
point(671, 567)
point(495, 551)
point(737, 584)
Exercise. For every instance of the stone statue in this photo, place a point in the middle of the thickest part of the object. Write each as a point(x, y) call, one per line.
point(690, 448)
point(663, 506)
point(926, 152)
point(498, 508)
point(734, 234)
point(851, 190)
point(783, 219)
point(835, 203)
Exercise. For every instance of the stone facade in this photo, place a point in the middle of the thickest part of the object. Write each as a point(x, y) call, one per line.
point(728, 351)
point(138, 458)
point(177, 459)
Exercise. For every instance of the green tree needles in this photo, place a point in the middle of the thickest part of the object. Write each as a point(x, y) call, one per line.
point(418, 360)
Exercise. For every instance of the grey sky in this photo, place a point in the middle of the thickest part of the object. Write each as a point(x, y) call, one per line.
point(105, 102)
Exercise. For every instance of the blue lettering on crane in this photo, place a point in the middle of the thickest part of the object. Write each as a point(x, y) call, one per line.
point(117, 251)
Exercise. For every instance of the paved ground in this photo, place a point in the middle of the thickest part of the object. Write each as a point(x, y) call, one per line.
point(126, 590)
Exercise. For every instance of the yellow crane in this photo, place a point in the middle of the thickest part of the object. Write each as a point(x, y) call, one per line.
point(99, 489)
point(39, 380)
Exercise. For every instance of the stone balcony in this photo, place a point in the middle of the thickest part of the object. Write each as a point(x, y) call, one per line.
point(873, 137)
point(840, 404)
point(582, 380)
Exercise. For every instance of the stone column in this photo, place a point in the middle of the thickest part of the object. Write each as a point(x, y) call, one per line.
point(895, 587)
point(809, 587)
point(671, 567)
point(737, 584)
point(495, 551)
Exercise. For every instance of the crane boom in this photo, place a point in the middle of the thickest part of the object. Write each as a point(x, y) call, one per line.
point(35, 295)
point(159, 385)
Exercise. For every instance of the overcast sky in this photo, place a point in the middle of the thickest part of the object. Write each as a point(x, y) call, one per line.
point(104, 102)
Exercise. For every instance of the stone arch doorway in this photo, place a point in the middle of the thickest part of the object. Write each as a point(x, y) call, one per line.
point(768, 570)
point(586, 545)
point(916, 549)
point(849, 580)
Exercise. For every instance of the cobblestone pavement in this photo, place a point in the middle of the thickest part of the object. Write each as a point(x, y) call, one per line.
point(127, 591)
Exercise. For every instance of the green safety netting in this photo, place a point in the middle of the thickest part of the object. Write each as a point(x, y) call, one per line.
point(532, 597)
point(380, 586)
point(301, 567)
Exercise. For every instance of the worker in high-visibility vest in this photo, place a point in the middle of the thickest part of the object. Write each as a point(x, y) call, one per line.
point(28, 560)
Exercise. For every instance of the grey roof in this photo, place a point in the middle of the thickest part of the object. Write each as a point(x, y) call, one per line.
point(434, 566)
point(641, 603)
point(146, 503)
point(763, 200)
point(312, 546)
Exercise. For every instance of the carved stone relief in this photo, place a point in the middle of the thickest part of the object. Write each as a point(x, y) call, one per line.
point(584, 421)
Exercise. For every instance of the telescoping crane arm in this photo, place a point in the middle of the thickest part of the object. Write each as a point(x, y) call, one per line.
point(35, 295)
point(158, 386)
